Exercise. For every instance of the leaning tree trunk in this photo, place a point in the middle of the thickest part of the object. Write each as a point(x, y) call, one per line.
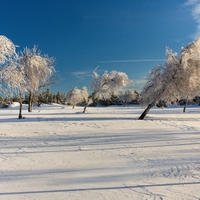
point(142, 116)
point(30, 102)
point(87, 103)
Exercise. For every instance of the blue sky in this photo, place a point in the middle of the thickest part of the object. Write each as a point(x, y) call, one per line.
point(123, 35)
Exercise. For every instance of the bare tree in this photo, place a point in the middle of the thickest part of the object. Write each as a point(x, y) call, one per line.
point(107, 84)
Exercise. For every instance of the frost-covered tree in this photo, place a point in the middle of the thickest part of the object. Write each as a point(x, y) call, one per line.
point(14, 77)
point(76, 96)
point(37, 68)
point(177, 79)
point(11, 72)
point(190, 61)
point(106, 85)
point(7, 55)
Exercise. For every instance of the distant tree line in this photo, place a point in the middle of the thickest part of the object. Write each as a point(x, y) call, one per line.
point(47, 97)
point(123, 98)
point(44, 97)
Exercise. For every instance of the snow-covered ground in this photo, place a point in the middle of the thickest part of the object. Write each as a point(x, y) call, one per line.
point(59, 153)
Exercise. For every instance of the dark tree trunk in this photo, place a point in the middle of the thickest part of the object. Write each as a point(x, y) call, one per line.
point(30, 102)
point(20, 108)
point(185, 106)
point(142, 116)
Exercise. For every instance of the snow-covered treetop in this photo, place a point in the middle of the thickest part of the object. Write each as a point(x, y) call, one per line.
point(76, 96)
point(7, 49)
point(38, 68)
point(191, 51)
point(108, 83)
point(177, 79)
point(190, 60)
point(153, 87)
point(10, 74)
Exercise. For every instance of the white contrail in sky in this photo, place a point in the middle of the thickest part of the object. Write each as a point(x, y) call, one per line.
point(130, 61)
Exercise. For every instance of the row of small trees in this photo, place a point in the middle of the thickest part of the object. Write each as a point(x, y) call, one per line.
point(103, 87)
point(80, 97)
point(75, 97)
point(43, 97)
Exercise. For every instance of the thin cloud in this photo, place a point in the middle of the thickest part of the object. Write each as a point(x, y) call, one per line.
point(139, 81)
point(130, 61)
point(82, 74)
point(195, 14)
point(191, 2)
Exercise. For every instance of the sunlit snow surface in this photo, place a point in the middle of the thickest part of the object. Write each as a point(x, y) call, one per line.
point(59, 153)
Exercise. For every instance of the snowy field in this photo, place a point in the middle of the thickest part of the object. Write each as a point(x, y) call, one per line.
point(58, 153)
